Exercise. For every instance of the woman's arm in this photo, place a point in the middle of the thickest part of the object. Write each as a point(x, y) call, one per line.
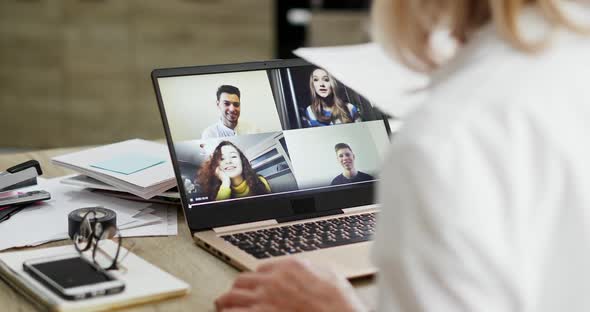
point(266, 185)
point(223, 193)
point(290, 284)
point(225, 187)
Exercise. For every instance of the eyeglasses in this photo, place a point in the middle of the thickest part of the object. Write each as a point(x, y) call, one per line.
point(93, 236)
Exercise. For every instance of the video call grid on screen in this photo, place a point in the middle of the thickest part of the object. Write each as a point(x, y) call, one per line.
point(267, 132)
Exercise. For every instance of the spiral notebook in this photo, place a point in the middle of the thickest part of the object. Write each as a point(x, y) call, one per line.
point(144, 282)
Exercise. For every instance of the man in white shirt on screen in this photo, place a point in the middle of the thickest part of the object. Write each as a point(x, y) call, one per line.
point(228, 103)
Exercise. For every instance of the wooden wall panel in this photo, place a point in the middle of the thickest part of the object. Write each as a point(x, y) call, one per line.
point(17, 12)
point(81, 69)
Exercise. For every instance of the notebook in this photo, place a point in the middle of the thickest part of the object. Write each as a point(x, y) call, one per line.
point(140, 167)
point(144, 282)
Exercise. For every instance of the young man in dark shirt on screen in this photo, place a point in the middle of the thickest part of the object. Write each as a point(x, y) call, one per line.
point(346, 158)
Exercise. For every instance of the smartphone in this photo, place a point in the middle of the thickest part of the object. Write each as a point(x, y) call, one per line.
point(73, 277)
point(24, 198)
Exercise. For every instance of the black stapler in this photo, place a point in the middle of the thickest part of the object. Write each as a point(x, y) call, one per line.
point(21, 175)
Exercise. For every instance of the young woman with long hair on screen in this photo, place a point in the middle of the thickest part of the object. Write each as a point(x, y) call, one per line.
point(327, 108)
point(228, 174)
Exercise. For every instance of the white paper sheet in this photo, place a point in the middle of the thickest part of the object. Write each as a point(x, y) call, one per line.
point(369, 71)
point(141, 220)
point(167, 227)
point(48, 221)
point(172, 218)
point(146, 210)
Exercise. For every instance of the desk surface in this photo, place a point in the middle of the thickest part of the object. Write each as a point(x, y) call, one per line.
point(178, 255)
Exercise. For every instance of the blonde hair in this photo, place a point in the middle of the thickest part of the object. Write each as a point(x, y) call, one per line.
point(340, 109)
point(405, 27)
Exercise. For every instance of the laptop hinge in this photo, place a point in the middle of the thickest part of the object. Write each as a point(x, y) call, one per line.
point(311, 215)
point(358, 209)
point(244, 226)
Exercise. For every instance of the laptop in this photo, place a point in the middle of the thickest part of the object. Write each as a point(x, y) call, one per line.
point(274, 159)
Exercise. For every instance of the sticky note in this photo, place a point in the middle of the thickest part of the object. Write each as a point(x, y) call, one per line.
point(128, 163)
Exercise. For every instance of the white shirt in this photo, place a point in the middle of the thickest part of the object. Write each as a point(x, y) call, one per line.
point(219, 130)
point(485, 192)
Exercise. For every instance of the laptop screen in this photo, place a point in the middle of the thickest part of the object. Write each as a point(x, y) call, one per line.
point(262, 133)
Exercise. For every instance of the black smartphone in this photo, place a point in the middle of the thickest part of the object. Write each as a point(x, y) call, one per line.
point(73, 277)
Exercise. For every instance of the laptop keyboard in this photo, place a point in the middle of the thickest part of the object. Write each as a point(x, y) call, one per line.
point(309, 236)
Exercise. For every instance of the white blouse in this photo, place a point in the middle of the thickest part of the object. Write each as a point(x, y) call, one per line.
point(485, 192)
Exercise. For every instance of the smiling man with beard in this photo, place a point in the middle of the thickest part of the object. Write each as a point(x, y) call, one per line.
point(229, 106)
point(346, 158)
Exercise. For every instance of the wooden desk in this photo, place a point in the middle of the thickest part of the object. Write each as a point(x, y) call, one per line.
point(178, 255)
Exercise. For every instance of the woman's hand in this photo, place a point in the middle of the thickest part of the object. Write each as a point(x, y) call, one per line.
point(289, 285)
point(221, 175)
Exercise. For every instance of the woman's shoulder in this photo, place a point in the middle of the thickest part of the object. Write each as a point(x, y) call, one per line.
point(310, 112)
point(352, 109)
point(351, 106)
point(354, 112)
point(264, 181)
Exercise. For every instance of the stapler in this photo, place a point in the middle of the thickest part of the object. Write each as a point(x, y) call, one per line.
point(21, 175)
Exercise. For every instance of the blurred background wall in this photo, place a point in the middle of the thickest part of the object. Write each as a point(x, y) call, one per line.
point(77, 72)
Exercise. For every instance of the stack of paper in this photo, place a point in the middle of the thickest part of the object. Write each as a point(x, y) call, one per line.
point(170, 197)
point(139, 167)
point(48, 220)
